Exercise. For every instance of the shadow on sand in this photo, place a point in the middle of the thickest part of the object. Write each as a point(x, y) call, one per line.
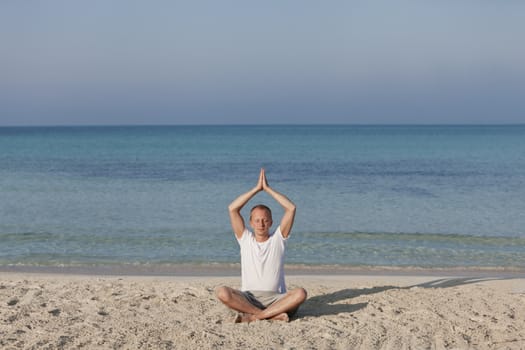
point(339, 302)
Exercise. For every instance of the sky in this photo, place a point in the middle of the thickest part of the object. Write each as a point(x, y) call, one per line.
point(67, 62)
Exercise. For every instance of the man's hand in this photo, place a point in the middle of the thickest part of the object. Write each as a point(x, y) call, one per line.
point(263, 181)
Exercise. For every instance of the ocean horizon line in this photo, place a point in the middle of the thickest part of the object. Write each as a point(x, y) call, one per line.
point(131, 125)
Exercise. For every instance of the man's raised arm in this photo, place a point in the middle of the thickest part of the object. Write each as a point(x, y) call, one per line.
point(287, 204)
point(235, 207)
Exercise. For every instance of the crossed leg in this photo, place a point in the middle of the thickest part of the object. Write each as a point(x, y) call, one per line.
point(277, 311)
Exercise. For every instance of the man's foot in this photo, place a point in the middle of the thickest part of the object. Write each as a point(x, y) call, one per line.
point(281, 317)
point(241, 318)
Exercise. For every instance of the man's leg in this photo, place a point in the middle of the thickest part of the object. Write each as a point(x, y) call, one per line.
point(234, 299)
point(279, 309)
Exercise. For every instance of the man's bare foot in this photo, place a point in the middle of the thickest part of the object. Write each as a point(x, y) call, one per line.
point(240, 318)
point(281, 317)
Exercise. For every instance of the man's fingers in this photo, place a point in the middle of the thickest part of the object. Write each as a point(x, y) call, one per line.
point(260, 183)
point(264, 180)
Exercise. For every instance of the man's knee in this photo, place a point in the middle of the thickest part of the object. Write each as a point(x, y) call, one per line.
point(223, 293)
point(300, 295)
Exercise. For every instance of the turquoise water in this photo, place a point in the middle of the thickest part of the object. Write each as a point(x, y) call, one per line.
point(425, 196)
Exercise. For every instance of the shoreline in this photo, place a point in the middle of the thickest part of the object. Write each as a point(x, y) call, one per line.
point(233, 270)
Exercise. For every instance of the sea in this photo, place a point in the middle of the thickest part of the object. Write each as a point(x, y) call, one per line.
point(399, 196)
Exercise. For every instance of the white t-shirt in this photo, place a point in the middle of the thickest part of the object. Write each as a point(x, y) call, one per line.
point(262, 264)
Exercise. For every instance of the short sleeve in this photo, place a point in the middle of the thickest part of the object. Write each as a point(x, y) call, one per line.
point(245, 235)
point(280, 234)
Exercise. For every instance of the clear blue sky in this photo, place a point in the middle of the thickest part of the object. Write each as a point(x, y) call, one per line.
point(246, 62)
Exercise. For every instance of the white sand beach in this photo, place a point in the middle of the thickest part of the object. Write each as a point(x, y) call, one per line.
point(59, 311)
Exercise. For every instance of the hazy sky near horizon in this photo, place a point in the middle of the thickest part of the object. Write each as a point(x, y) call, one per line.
point(248, 62)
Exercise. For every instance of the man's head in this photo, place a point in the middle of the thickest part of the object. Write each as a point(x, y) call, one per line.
point(261, 219)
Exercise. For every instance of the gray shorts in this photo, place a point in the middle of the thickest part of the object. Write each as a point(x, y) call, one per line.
point(263, 299)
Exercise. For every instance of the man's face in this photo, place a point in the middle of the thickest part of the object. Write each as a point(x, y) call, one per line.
point(261, 221)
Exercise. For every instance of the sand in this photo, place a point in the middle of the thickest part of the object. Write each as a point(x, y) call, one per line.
point(56, 311)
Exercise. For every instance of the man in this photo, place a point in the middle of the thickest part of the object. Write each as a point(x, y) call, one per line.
point(263, 293)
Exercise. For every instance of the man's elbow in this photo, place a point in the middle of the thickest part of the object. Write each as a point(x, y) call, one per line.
point(233, 209)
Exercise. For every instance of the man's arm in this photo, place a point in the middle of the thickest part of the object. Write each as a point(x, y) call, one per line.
point(287, 204)
point(235, 207)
